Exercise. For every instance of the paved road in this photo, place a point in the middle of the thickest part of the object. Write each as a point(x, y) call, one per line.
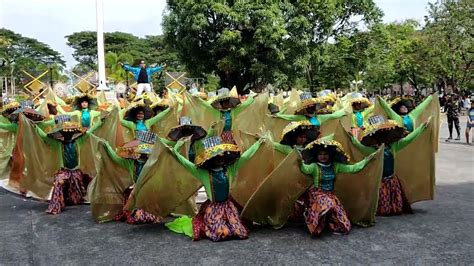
point(440, 231)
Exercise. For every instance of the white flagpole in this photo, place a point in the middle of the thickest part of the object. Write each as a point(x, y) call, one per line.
point(100, 45)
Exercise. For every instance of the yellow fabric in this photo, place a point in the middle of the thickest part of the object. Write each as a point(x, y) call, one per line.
point(170, 120)
point(433, 111)
point(272, 203)
point(254, 171)
point(251, 119)
point(359, 192)
point(105, 192)
point(200, 112)
point(292, 103)
point(415, 166)
point(164, 183)
point(42, 161)
point(274, 198)
point(111, 130)
point(189, 206)
point(7, 143)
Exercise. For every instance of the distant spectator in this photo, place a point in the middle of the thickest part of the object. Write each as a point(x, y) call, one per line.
point(470, 121)
point(452, 109)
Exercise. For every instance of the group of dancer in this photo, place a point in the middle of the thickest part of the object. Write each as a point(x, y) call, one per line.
point(326, 161)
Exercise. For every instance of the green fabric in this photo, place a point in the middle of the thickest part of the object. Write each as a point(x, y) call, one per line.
point(413, 115)
point(285, 149)
point(314, 169)
point(203, 174)
point(399, 145)
point(181, 225)
point(11, 127)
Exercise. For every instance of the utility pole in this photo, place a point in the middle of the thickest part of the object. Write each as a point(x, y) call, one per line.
point(100, 44)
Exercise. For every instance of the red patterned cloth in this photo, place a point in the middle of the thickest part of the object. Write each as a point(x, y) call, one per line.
point(69, 189)
point(218, 221)
point(392, 200)
point(325, 208)
point(227, 137)
point(136, 216)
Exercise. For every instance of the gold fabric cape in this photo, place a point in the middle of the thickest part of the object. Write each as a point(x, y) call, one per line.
point(164, 184)
point(273, 201)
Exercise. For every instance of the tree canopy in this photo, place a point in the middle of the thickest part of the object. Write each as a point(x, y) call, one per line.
point(22, 53)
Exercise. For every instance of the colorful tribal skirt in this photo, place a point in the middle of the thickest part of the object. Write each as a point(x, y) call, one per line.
point(136, 216)
point(392, 200)
point(227, 137)
point(69, 189)
point(218, 221)
point(325, 208)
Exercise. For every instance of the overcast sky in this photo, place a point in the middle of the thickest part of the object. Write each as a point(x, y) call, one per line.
point(50, 20)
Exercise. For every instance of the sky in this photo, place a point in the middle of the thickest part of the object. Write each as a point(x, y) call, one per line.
point(50, 20)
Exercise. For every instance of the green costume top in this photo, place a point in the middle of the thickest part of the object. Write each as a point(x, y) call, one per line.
point(391, 150)
point(324, 176)
point(359, 117)
point(228, 115)
point(409, 121)
point(217, 183)
point(8, 126)
point(136, 126)
point(87, 118)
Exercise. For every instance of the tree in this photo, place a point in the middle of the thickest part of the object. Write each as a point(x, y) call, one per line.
point(23, 53)
point(450, 30)
point(259, 42)
point(312, 26)
point(239, 41)
point(114, 70)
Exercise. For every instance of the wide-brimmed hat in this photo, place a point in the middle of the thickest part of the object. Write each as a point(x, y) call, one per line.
point(160, 106)
point(293, 129)
point(10, 108)
point(27, 108)
point(77, 100)
point(334, 148)
point(224, 95)
point(134, 108)
point(307, 101)
point(381, 131)
point(407, 101)
point(357, 97)
point(185, 129)
point(327, 96)
point(66, 127)
point(211, 147)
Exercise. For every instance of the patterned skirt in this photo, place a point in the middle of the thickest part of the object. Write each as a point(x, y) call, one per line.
point(227, 137)
point(69, 189)
point(136, 216)
point(392, 200)
point(325, 208)
point(219, 221)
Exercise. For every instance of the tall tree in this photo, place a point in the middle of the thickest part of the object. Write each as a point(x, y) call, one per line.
point(450, 30)
point(240, 41)
point(23, 53)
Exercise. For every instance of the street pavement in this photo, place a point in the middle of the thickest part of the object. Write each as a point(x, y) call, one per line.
point(440, 232)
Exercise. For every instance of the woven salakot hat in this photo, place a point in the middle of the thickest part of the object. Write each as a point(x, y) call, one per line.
point(334, 148)
point(185, 129)
point(293, 129)
point(211, 147)
point(223, 95)
point(381, 131)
